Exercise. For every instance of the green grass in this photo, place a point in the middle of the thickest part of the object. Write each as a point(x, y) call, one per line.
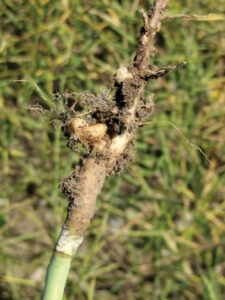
point(159, 230)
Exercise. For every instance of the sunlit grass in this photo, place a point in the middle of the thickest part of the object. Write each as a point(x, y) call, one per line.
point(158, 232)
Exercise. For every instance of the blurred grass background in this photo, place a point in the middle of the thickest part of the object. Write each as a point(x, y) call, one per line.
point(158, 231)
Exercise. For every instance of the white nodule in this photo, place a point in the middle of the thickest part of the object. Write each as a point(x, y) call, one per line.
point(119, 143)
point(122, 74)
point(68, 242)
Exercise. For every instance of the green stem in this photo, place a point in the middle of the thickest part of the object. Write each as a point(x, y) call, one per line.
point(56, 277)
